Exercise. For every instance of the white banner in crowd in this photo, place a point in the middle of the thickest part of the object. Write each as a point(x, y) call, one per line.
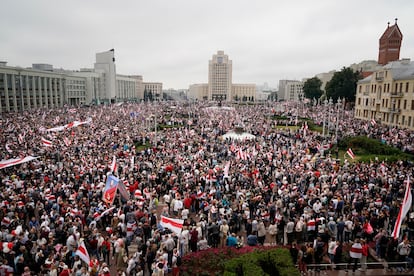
point(70, 125)
point(175, 225)
point(16, 161)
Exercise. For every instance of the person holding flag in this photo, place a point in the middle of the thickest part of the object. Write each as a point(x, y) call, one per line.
point(405, 207)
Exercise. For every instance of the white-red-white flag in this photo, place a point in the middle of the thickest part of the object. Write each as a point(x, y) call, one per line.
point(47, 143)
point(226, 169)
point(66, 141)
point(8, 148)
point(113, 167)
point(83, 254)
point(175, 225)
point(107, 211)
point(305, 128)
point(373, 122)
point(132, 162)
point(15, 161)
point(241, 154)
point(405, 207)
point(350, 153)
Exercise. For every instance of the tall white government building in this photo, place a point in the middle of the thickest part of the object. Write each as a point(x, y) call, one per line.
point(220, 86)
point(42, 86)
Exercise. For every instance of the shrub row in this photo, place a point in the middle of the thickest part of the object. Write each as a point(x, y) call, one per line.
point(276, 262)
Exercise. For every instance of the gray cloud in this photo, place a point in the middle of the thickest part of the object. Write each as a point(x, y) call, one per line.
point(172, 41)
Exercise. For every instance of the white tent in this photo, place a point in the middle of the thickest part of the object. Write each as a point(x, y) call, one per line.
point(232, 135)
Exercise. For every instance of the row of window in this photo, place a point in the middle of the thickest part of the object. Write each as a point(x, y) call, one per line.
point(398, 87)
point(387, 118)
point(386, 103)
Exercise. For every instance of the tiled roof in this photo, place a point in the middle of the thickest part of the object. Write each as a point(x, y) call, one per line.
point(390, 30)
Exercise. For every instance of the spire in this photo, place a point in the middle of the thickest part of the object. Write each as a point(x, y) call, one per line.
point(396, 19)
point(388, 24)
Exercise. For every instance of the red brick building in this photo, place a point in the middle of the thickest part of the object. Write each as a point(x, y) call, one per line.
point(390, 44)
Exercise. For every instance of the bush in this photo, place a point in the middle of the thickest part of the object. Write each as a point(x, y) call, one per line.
point(367, 149)
point(271, 262)
point(213, 261)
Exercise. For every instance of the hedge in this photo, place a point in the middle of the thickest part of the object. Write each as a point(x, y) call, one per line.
point(276, 262)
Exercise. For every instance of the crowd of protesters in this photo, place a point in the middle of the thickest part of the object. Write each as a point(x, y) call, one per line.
point(282, 188)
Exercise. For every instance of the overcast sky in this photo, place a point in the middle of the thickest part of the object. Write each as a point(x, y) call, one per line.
point(171, 41)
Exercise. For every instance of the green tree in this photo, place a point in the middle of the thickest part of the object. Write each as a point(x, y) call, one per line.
point(343, 85)
point(312, 88)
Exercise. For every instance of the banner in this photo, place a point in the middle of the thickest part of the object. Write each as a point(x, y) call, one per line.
point(14, 162)
point(110, 189)
point(83, 254)
point(70, 125)
point(175, 225)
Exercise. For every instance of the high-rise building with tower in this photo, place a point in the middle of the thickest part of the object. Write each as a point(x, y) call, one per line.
point(219, 77)
point(220, 86)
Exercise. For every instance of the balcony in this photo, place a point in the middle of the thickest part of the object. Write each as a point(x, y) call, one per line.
point(379, 78)
point(365, 93)
point(397, 94)
point(394, 110)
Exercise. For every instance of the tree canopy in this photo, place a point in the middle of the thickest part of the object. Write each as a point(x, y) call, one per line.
point(343, 85)
point(312, 88)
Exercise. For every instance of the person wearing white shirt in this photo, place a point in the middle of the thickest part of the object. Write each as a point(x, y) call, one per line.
point(178, 205)
point(331, 249)
point(183, 238)
point(184, 214)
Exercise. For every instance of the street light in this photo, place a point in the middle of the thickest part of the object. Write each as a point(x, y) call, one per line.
point(338, 105)
point(325, 102)
point(329, 114)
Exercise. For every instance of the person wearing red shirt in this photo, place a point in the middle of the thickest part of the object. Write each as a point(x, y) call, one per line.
point(65, 271)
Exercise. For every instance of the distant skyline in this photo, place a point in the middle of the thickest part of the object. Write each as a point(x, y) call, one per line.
point(172, 41)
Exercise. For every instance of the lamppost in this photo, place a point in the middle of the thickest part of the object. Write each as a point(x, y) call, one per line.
point(19, 84)
point(329, 114)
point(325, 102)
point(338, 106)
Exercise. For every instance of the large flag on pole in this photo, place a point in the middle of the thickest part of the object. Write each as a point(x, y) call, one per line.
point(175, 225)
point(405, 207)
point(123, 190)
point(83, 254)
point(110, 189)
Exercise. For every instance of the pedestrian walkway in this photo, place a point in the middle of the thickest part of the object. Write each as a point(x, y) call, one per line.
point(367, 272)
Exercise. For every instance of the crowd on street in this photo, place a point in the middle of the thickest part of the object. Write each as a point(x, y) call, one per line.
point(286, 187)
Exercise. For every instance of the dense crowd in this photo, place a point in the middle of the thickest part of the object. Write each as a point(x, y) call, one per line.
point(284, 187)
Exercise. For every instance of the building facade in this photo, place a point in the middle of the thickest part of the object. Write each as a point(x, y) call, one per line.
point(243, 92)
point(105, 64)
point(198, 91)
point(390, 44)
point(387, 96)
point(220, 86)
point(25, 89)
point(152, 90)
point(75, 90)
point(126, 88)
point(42, 86)
point(290, 90)
point(220, 77)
